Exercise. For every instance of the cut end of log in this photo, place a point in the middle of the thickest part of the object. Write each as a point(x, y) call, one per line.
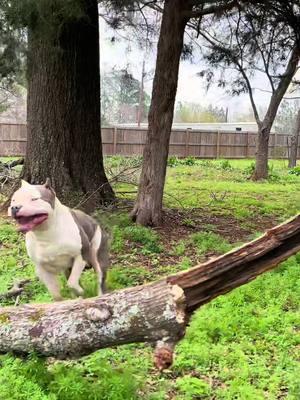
point(179, 299)
point(163, 355)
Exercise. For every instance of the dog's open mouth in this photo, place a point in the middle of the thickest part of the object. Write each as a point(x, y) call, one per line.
point(28, 223)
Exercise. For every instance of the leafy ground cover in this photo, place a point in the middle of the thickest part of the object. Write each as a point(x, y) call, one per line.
point(244, 345)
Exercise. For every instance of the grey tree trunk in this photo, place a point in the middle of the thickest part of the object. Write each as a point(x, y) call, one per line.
point(155, 313)
point(264, 127)
point(64, 134)
point(295, 142)
point(148, 207)
point(262, 152)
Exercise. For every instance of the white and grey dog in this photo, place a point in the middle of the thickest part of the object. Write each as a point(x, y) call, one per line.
point(59, 239)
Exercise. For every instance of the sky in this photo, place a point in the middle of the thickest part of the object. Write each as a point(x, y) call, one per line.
point(191, 88)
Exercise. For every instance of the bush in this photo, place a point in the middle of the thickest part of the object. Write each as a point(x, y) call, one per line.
point(189, 161)
point(249, 170)
point(295, 171)
point(145, 236)
point(193, 388)
point(225, 165)
point(209, 241)
point(173, 161)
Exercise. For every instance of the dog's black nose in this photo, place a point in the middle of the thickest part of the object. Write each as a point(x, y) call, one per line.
point(14, 210)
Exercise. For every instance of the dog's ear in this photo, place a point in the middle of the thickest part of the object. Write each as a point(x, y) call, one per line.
point(24, 184)
point(47, 184)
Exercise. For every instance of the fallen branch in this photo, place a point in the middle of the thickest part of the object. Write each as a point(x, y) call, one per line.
point(16, 290)
point(14, 163)
point(156, 313)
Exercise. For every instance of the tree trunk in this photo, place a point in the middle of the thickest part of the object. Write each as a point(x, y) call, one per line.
point(264, 127)
point(155, 313)
point(295, 142)
point(262, 152)
point(148, 206)
point(64, 135)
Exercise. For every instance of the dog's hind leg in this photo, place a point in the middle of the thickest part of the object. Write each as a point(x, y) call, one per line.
point(73, 281)
point(100, 258)
point(104, 261)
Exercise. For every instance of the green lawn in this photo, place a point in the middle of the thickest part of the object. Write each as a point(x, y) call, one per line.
point(244, 345)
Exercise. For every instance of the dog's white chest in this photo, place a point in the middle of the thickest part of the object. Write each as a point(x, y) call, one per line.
point(56, 249)
point(53, 256)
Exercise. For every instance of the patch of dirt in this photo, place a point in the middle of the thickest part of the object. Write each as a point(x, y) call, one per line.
point(180, 224)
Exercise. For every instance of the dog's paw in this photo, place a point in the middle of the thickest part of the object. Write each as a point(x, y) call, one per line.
point(77, 290)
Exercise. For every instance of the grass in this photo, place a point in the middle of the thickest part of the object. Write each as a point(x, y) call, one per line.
point(243, 345)
point(207, 182)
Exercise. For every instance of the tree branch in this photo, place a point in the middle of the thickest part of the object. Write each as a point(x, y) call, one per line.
point(266, 62)
point(240, 68)
point(283, 85)
point(214, 9)
point(155, 313)
point(16, 290)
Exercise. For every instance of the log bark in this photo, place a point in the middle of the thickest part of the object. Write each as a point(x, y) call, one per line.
point(155, 313)
point(294, 142)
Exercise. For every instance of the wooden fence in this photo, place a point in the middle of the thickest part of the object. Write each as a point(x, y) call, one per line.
point(183, 143)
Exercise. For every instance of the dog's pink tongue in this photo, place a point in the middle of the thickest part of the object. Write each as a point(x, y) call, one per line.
point(24, 228)
point(26, 224)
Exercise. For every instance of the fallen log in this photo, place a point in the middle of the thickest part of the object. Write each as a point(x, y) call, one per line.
point(156, 313)
point(12, 164)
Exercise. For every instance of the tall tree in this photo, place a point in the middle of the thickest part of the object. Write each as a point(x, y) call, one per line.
point(176, 14)
point(64, 138)
point(295, 142)
point(12, 62)
point(119, 88)
point(255, 41)
point(147, 209)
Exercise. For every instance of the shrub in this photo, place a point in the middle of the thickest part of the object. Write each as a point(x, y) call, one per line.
point(295, 171)
point(225, 165)
point(145, 236)
point(173, 161)
point(193, 388)
point(189, 161)
point(209, 241)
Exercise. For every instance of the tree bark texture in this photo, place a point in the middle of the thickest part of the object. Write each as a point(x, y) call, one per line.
point(264, 127)
point(64, 134)
point(148, 206)
point(155, 313)
point(295, 142)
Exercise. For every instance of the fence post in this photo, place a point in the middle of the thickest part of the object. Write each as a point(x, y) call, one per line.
point(115, 140)
point(187, 141)
point(218, 144)
point(275, 146)
point(247, 145)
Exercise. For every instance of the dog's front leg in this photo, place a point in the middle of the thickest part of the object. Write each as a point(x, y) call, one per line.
point(73, 281)
point(51, 282)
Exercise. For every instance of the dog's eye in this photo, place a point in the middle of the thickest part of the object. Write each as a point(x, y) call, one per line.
point(35, 198)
